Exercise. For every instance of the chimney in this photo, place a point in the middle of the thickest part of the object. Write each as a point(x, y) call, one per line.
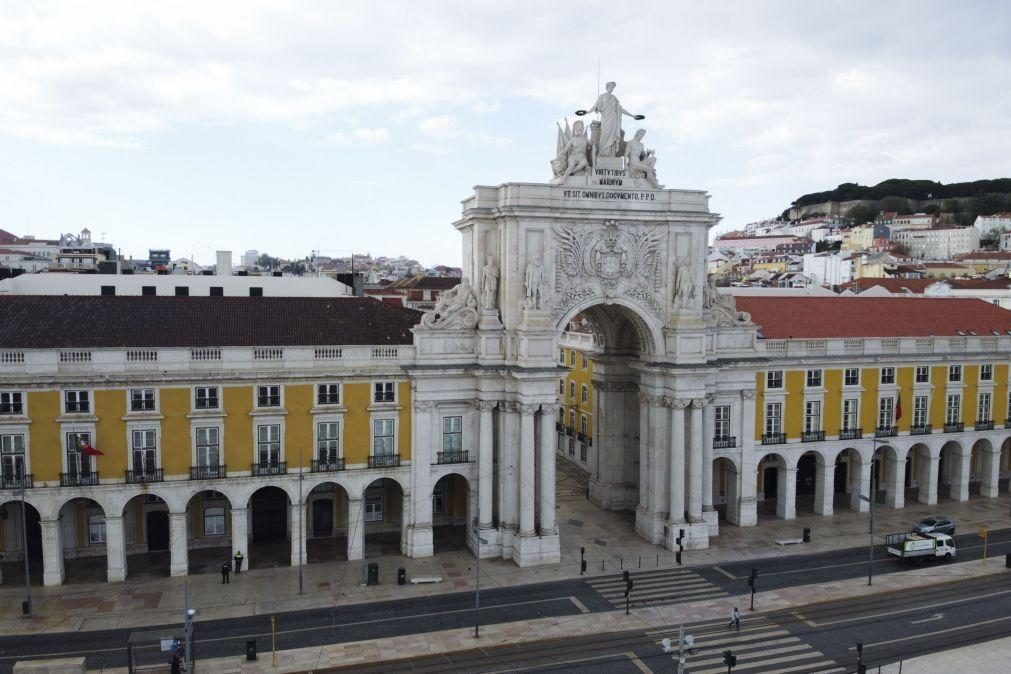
point(224, 266)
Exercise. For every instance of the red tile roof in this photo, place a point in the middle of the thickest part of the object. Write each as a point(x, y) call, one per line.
point(826, 317)
point(65, 321)
point(896, 285)
point(985, 255)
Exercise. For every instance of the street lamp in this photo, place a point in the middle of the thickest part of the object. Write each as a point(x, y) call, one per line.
point(870, 500)
point(24, 539)
point(301, 523)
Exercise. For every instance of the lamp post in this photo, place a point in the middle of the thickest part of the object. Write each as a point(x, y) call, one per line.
point(24, 539)
point(476, 524)
point(870, 500)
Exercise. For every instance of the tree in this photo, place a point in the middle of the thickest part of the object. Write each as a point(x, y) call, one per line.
point(861, 213)
point(900, 249)
point(267, 262)
point(823, 246)
point(899, 205)
point(991, 240)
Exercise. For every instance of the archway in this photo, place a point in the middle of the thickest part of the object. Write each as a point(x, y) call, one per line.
point(807, 480)
point(726, 487)
point(147, 536)
point(852, 477)
point(981, 470)
point(953, 472)
point(1004, 466)
point(776, 487)
point(83, 541)
point(384, 517)
point(14, 522)
point(326, 524)
point(890, 476)
point(209, 519)
point(451, 509)
point(923, 468)
point(270, 518)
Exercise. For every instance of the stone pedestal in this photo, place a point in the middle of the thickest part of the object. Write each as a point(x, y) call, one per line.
point(712, 520)
point(419, 541)
point(536, 550)
point(696, 536)
point(649, 525)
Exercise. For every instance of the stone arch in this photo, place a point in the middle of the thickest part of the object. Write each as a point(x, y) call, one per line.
point(953, 471)
point(852, 470)
point(147, 533)
point(208, 513)
point(82, 536)
point(613, 318)
point(243, 494)
point(776, 482)
point(45, 513)
point(452, 505)
point(727, 488)
point(889, 473)
point(327, 520)
point(385, 501)
point(15, 548)
point(404, 486)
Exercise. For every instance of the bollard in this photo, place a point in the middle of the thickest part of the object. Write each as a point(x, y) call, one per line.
point(621, 563)
point(640, 561)
point(1007, 561)
point(602, 565)
point(251, 650)
point(807, 535)
point(658, 559)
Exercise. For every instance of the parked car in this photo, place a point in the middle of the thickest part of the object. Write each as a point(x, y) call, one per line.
point(935, 524)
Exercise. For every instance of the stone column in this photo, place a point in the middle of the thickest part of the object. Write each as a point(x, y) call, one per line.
point(824, 488)
point(546, 474)
point(659, 500)
point(115, 548)
point(708, 421)
point(895, 487)
point(644, 453)
point(485, 463)
point(733, 481)
point(991, 473)
point(747, 510)
point(861, 486)
point(527, 470)
point(52, 552)
point(960, 475)
point(928, 475)
point(416, 526)
point(240, 535)
point(695, 462)
point(298, 527)
point(786, 494)
point(179, 544)
point(509, 468)
point(356, 522)
point(677, 459)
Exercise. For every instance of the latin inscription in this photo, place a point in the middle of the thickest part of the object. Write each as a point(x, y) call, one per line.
point(603, 194)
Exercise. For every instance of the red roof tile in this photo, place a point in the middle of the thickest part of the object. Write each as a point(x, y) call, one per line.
point(827, 317)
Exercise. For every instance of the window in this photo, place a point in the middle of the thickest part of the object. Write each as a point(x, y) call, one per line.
point(141, 399)
point(256, 291)
point(572, 446)
point(583, 423)
point(812, 416)
point(268, 396)
point(268, 444)
point(383, 392)
point(96, 529)
point(584, 393)
point(572, 390)
point(888, 375)
point(922, 374)
point(986, 372)
point(77, 401)
point(773, 418)
point(147, 290)
point(572, 419)
point(438, 501)
point(954, 373)
point(328, 394)
point(182, 291)
point(328, 441)
point(144, 451)
point(886, 412)
point(721, 428)
point(852, 377)
point(452, 434)
point(208, 446)
point(78, 463)
point(813, 378)
point(919, 411)
point(214, 521)
point(586, 362)
point(582, 452)
point(983, 407)
point(374, 508)
point(953, 410)
point(561, 387)
point(382, 442)
point(850, 414)
point(206, 397)
point(108, 290)
point(561, 356)
point(572, 358)
point(12, 455)
point(217, 291)
point(11, 402)
point(774, 379)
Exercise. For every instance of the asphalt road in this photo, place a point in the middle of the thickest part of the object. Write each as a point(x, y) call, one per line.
point(356, 622)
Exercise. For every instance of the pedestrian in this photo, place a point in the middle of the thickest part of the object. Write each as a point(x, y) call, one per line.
point(735, 619)
point(225, 568)
point(175, 664)
point(238, 561)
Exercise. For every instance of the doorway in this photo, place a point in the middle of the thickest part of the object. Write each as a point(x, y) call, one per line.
point(322, 518)
point(157, 530)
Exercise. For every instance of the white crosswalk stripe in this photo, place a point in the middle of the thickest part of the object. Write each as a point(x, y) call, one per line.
point(655, 587)
point(760, 646)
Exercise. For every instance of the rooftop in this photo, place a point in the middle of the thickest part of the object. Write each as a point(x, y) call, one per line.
point(852, 317)
point(57, 322)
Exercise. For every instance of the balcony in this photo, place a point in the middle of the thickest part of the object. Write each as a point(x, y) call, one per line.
point(452, 457)
point(144, 476)
point(570, 431)
point(886, 432)
point(384, 461)
point(582, 437)
point(724, 442)
point(851, 434)
point(812, 436)
point(921, 429)
point(271, 468)
point(774, 438)
point(954, 428)
point(327, 465)
point(79, 479)
point(559, 427)
point(207, 472)
point(16, 481)
point(984, 425)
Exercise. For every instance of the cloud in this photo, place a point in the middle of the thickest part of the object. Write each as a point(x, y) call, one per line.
point(373, 135)
point(447, 126)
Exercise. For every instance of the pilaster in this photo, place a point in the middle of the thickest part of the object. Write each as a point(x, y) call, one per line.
point(240, 535)
point(356, 532)
point(115, 548)
point(824, 488)
point(179, 544)
point(928, 480)
point(786, 493)
point(52, 552)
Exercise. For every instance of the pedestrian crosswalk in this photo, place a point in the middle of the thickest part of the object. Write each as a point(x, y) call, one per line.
point(663, 586)
point(760, 646)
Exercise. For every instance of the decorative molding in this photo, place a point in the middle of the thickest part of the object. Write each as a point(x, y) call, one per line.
point(527, 410)
point(456, 309)
point(699, 403)
point(676, 403)
point(550, 408)
point(486, 405)
point(749, 393)
point(424, 406)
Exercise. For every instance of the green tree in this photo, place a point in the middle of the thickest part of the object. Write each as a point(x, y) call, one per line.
point(861, 213)
point(899, 205)
point(991, 240)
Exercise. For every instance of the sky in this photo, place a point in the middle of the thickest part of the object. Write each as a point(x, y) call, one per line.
point(341, 127)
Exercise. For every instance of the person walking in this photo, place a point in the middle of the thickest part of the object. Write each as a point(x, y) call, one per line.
point(735, 619)
point(225, 569)
point(238, 561)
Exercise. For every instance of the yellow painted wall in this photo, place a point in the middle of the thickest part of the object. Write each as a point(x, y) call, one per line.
point(237, 402)
point(793, 412)
point(298, 430)
point(939, 397)
point(1000, 374)
point(357, 433)
point(970, 394)
point(110, 434)
point(759, 405)
point(904, 378)
point(44, 443)
point(832, 408)
point(176, 443)
point(404, 438)
point(580, 376)
point(870, 377)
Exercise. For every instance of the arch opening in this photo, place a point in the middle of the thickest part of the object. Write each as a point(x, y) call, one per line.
point(209, 523)
point(147, 536)
point(451, 511)
point(21, 535)
point(326, 523)
point(270, 527)
point(384, 503)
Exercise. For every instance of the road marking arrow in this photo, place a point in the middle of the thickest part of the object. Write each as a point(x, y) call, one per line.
point(936, 616)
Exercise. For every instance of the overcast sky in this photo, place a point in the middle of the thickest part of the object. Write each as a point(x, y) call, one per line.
point(341, 126)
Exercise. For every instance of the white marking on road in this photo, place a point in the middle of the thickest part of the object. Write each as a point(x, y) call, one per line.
point(936, 616)
point(800, 616)
point(935, 633)
point(907, 610)
point(725, 573)
point(639, 663)
point(582, 608)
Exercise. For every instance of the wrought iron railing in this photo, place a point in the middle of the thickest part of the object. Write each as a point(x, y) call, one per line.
point(79, 479)
point(886, 431)
point(16, 481)
point(270, 468)
point(327, 465)
point(954, 428)
point(144, 476)
point(384, 461)
point(921, 429)
point(453, 457)
point(724, 442)
point(851, 434)
point(984, 425)
point(812, 436)
point(773, 438)
point(207, 472)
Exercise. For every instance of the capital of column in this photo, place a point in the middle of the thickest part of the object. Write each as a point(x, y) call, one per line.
point(527, 410)
point(551, 408)
point(699, 403)
point(485, 405)
point(676, 403)
point(749, 393)
point(423, 406)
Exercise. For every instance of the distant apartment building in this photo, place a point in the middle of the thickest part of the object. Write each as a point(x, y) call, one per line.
point(938, 244)
point(20, 260)
point(989, 223)
point(159, 258)
point(829, 269)
point(736, 241)
point(858, 238)
point(985, 261)
point(81, 254)
point(913, 221)
point(416, 292)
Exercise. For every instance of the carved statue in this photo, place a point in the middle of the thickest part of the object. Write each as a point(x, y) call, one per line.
point(534, 284)
point(684, 284)
point(722, 308)
point(640, 162)
point(573, 155)
point(456, 308)
point(610, 110)
point(489, 284)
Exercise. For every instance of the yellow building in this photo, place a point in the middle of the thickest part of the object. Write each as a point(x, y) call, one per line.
point(575, 397)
